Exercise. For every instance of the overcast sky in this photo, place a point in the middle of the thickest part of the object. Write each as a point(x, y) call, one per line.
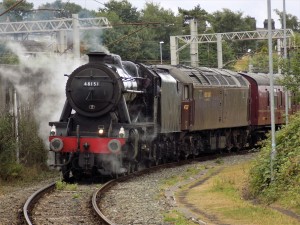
point(253, 8)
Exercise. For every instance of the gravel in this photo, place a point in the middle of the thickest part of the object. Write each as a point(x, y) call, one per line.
point(67, 207)
point(142, 200)
point(13, 199)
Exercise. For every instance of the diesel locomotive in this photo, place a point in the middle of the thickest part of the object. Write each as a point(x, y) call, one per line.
point(120, 115)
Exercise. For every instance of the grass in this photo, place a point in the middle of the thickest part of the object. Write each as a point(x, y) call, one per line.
point(180, 177)
point(76, 196)
point(28, 176)
point(222, 196)
point(176, 218)
point(63, 186)
point(290, 201)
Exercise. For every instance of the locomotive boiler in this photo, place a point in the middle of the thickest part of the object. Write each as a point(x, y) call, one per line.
point(119, 115)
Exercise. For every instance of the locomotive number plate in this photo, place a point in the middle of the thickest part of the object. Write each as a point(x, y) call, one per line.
point(91, 84)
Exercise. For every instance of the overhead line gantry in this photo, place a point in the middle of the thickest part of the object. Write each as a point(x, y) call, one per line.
point(194, 39)
point(57, 26)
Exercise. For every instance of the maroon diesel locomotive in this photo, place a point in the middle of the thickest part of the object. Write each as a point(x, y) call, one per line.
point(119, 115)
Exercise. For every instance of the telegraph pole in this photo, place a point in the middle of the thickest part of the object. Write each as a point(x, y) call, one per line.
point(76, 38)
point(16, 117)
point(273, 151)
point(285, 57)
point(219, 51)
point(194, 43)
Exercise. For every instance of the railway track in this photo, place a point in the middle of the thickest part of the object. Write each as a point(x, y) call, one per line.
point(51, 206)
point(32, 200)
point(97, 196)
point(48, 206)
point(122, 184)
point(37, 208)
point(95, 199)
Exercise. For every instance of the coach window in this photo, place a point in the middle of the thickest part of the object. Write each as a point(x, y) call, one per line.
point(268, 98)
point(290, 99)
point(275, 98)
point(186, 92)
point(280, 99)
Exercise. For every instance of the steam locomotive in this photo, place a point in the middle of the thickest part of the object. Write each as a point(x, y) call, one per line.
point(119, 115)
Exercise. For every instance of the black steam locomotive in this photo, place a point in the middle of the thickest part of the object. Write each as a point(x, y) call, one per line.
point(120, 115)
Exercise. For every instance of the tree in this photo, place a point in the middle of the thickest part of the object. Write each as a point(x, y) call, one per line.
point(291, 66)
point(6, 55)
point(132, 37)
point(7, 147)
point(197, 13)
point(21, 12)
point(229, 21)
point(32, 149)
point(292, 21)
point(124, 9)
point(60, 9)
point(122, 39)
point(259, 59)
point(168, 25)
point(208, 55)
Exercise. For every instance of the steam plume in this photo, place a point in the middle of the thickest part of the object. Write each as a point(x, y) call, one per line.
point(47, 74)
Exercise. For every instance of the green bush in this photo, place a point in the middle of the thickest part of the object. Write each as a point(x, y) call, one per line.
point(61, 185)
point(286, 167)
point(11, 171)
point(8, 168)
point(32, 152)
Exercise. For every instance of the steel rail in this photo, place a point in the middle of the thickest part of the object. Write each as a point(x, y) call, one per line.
point(31, 201)
point(96, 195)
point(100, 192)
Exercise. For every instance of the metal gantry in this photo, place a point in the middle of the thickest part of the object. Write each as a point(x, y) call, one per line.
point(45, 26)
point(56, 27)
point(219, 37)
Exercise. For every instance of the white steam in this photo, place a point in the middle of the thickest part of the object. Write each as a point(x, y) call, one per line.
point(92, 39)
point(47, 74)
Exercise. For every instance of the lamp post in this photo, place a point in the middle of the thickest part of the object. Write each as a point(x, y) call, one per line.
point(250, 65)
point(160, 48)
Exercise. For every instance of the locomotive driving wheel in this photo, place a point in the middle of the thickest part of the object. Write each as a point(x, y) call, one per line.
point(156, 154)
point(66, 167)
point(176, 154)
point(65, 170)
point(130, 157)
point(129, 167)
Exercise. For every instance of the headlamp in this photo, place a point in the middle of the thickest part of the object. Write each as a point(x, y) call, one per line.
point(101, 130)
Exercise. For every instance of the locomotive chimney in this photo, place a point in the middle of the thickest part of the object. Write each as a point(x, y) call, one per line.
point(102, 57)
point(96, 57)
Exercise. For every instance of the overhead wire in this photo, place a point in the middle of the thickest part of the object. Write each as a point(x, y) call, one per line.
point(12, 7)
point(145, 25)
point(99, 2)
point(119, 24)
point(125, 36)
